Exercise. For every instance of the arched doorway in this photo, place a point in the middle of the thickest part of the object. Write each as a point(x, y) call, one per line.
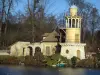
point(78, 53)
point(37, 49)
point(30, 50)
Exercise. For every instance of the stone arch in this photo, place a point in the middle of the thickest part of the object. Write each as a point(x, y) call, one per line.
point(30, 50)
point(37, 49)
point(78, 53)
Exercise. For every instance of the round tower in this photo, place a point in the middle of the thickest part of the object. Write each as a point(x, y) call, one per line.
point(73, 26)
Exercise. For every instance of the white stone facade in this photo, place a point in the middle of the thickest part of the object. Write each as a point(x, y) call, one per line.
point(72, 49)
point(69, 50)
point(17, 48)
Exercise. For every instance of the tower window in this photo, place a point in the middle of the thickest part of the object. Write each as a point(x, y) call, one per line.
point(73, 23)
point(69, 23)
point(76, 23)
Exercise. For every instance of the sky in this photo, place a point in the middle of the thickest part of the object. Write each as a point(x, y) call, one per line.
point(96, 3)
point(57, 6)
point(54, 6)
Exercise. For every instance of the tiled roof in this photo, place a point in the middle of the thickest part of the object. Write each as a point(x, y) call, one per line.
point(51, 37)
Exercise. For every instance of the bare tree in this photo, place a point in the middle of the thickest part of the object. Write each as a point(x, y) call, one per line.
point(27, 27)
point(31, 11)
point(6, 7)
point(39, 18)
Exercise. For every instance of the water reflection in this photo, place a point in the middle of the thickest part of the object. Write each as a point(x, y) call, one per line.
point(22, 70)
point(71, 71)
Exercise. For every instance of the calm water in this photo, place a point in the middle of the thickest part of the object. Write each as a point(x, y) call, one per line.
point(21, 70)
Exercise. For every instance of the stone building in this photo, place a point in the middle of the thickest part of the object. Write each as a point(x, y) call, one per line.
point(69, 38)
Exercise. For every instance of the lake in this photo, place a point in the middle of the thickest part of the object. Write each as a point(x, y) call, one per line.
point(22, 70)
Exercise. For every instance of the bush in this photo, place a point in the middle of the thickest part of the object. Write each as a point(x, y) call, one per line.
point(56, 59)
point(90, 62)
point(50, 61)
point(34, 61)
point(9, 60)
point(73, 61)
point(30, 61)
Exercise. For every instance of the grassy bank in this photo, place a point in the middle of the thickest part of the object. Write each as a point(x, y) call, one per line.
point(48, 61)
point(34, 60)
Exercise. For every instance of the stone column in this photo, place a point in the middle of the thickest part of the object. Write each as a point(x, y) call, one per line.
point(68, 23)
point(60, 36)
point(71, 22)
point(80, 29)
point(75, 22)
point(78, 23)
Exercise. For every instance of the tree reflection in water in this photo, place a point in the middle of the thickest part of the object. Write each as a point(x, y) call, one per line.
point(22, 70)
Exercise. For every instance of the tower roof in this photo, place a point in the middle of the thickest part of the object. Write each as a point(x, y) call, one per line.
point(73, 6)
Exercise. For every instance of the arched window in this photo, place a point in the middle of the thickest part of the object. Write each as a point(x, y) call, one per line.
point(67, 51)
point(78, 53)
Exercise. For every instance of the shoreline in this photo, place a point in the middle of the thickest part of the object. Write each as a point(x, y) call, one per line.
point(47, 66)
